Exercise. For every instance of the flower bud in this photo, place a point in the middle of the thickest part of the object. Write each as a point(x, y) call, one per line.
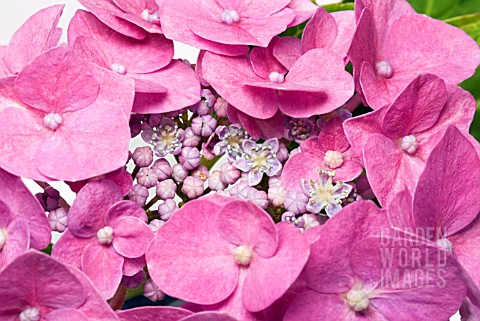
point(58, 219)
point(143, 156)
point(162, 168)
point(138, 194)
point(167, 208)
point(147, 177)
point(179, 173)
point(152, 292)
point(166, 189)
point(193, 187)
point(215, 183)
point(190, 158)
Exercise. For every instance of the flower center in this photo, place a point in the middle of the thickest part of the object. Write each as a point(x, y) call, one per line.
point(277, 77)
point(445, 244)
point(3, 238)
point(230, 16)
point(358, 300)
point(243, 255)
point(384, 69)
point(409, 144)
point(119, 68)
point(333, 159)
point(150, 17)
point(30, 314)
point(166, 138)
point(52, 121)
point(105, 235)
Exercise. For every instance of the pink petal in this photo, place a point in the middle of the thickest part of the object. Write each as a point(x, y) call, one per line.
point(36, 278)
point(8, 97)
point(320, 31)
point(417, 108)
point(435, 40)
point(269, 278)
point(182, 86)
point(303, 165)
point(304, 10)
point(451, 170)
point(18, 241)
point(209, 316)
point(132, 237)
point(400, 299)
point(345, 30)
point(148, 85)
point(260, 232)
point(18, 155)
point(400, 212)
point(104, 267)
point(189, 268)
point(389, 169)
point(69, 248)
point(69, 84)
point(4, 71)
point(175, 26)
point(65, 315)
point(102, 126)
point(328, 269)
point(334, 84)
point(287, 51)
point(248, 31)
point(257, 9)
point(264, 62)
point(96, 308)
point(153, 313)
point(22, 204)
point(38, 34)
point(227, 75)
point(261, 128)
point(124, 208)
point(138, 56)
point(133, 266)
point(86, 216)
point(332, 136)
point(114, 17)
point(313, 306)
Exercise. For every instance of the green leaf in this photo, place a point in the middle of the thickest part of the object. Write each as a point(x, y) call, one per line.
point(334, 7)
point(444, 9)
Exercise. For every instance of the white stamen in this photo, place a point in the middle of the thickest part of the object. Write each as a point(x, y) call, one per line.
point(445, 244)
point(119, 68)
point(52, 121)
point(105, 235)
point(410, 144)
point(30, 314)
point(150, 17)
point(333, 159)
point(358, 300)
point(243, 255)
point(384, 69)
point(277, 77)
point(230, 16)
point(3, 238)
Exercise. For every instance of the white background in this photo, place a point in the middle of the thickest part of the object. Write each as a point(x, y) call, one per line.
point(14, 12)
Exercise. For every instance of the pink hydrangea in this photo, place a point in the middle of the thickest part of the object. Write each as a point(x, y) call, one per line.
point(161, 84)
point(259, 86)
point(72, 117)
point(357, 271)
point(225, 27)
point(393, 45)
point(329, 151)
point(170, 314)
point(37, 287)
point(444, 207)
point(37, 35)
point(237, 256)
point(396, 140)
point(106, 236)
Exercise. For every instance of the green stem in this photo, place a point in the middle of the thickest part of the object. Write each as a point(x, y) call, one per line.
point(429, 8)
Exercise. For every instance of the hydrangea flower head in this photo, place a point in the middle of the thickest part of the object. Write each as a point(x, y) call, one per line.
point(259, 85)
point(54, 99)
point(396, 140)
point(105, 236)
point(36, 287)
point(378, 290)
point(237, 254)
point(386, 30)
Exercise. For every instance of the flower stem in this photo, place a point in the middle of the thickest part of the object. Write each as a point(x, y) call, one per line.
point(116, 303)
